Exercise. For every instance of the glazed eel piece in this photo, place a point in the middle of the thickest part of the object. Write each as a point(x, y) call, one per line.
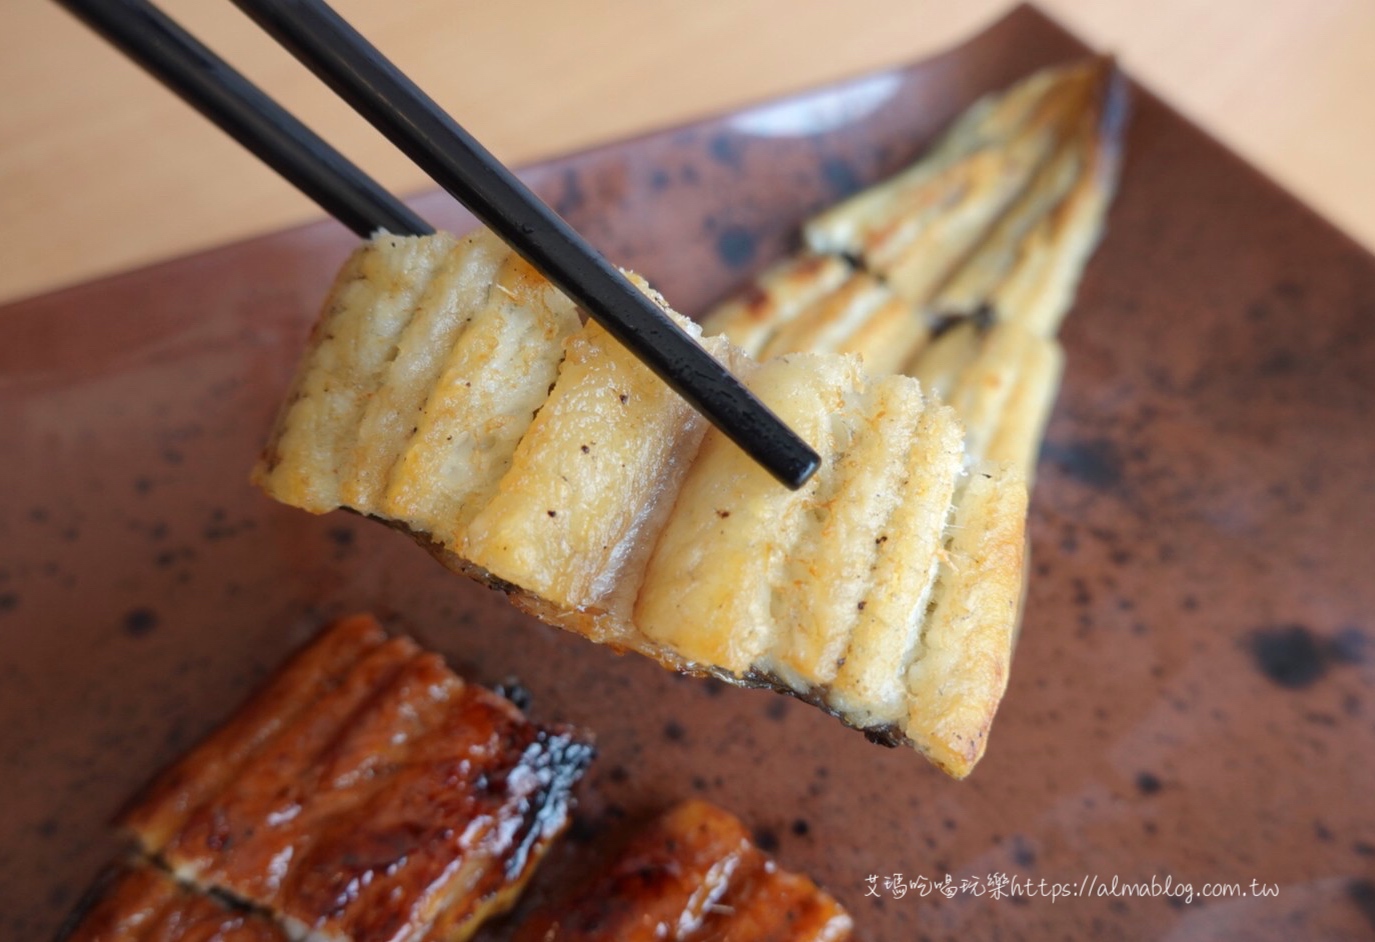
point(692, 875)
point(452, 392)
point(138, 902)
point(364, 793)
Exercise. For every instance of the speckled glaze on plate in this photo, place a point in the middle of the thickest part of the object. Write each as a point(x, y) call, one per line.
point(1194, 691)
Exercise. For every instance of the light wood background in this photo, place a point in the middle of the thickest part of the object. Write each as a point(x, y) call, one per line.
point(101, 169)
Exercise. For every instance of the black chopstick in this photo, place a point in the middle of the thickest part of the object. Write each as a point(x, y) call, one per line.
point(206, 82)
point(377, 90)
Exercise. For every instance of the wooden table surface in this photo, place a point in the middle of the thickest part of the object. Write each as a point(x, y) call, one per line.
point(102, 170)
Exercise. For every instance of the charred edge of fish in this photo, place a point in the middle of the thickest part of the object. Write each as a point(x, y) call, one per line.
point(558, 757)
point(887, 734)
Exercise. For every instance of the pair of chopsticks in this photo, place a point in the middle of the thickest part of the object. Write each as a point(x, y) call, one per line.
point(377, 90)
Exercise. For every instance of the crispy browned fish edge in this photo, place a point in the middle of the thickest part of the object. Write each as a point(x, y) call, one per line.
point(125, 874)
point(1111, 108)
point(570, 750)
point(888, 735)
point(676, 843)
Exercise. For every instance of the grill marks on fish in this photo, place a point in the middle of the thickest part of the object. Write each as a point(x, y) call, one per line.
point(981, 243)
point(366, 793)
point(999, 219)
point(350, 349)
point(140, 903)
point(829, 581)
point(971, 620)
point(161, 811)
point(708, 592)
point(905, 560)
point(916, 228)
point(458, 284)
point(780, 295)
point(495, 375)
point(547, 461)
point(617, 436)
point(692, 875)
point(618, 514)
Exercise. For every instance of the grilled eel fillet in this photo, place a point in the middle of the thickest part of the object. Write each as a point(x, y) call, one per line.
point(693, 875)
point(1029, 163)
point(141, 903)
point(968, 260)
point(365, 793)
point(450, 391)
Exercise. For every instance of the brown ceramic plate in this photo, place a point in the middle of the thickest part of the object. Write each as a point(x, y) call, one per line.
point(1194, 694)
